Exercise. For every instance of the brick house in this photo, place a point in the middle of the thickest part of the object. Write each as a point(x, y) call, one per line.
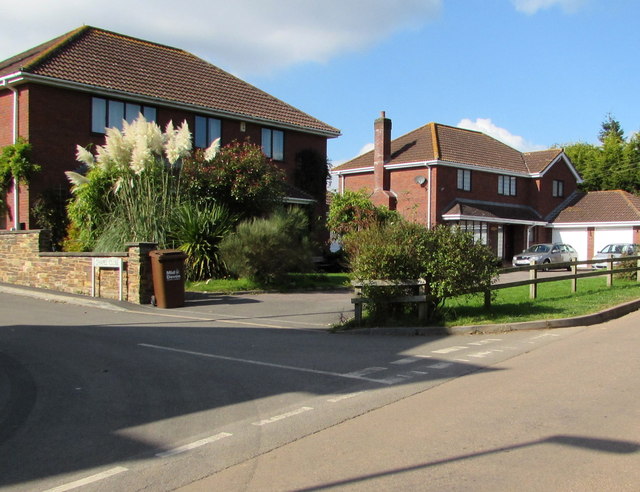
point(438, 174)
point(68, 90)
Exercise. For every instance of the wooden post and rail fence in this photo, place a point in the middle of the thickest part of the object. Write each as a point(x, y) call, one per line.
point(420, 297)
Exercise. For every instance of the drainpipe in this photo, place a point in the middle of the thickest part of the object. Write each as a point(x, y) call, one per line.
point(429, 200)
point(16, 184)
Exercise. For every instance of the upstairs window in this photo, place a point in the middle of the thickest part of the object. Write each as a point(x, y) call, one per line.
point(206, 131)
point(464, 179)
point(273, 144)
point(558, 188)
point(109, 113)
point(507, 185)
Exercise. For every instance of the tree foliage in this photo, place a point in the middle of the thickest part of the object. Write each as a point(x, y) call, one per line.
point(353, 211)
point(15, 162)
point(15, 165)
point(613, 164)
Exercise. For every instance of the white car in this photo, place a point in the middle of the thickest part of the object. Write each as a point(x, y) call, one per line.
point(616, 250)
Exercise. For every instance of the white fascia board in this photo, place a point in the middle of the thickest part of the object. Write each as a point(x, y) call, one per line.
point(493, 220)
point(358, 170)
point(369, 169)
point(408, 165)
point(12, 78)
point(601, 225)
point(139, 98)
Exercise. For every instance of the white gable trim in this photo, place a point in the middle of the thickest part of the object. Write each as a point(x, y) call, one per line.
point(573, 225)
point(561, 157)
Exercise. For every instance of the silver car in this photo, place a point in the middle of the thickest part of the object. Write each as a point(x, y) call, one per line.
point(546, 253)
point(616, 250)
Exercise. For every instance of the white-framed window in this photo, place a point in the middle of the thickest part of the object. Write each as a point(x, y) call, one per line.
point(464, 179)
point(206, 131)
point(109, 113)
point(480, 230)
point(507, 185)
point(558, 188)
point(273, 144)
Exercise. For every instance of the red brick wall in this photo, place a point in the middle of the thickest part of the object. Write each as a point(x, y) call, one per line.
point(411, 196)
point(546, 202)
point(6, 117)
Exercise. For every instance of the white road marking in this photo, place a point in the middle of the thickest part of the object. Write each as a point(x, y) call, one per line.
point(486, 341)
point(481, 355)
point(86, 481)
point(367, 370)
point(266, 364)
point(544, 335)
point(193, 445)
point(283, 416)
point(419, 372)
point(411, 359)
point(440, 365)
point(448, 350)
point(344, 397)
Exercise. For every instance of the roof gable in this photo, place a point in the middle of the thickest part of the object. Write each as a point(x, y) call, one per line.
point(114, 62)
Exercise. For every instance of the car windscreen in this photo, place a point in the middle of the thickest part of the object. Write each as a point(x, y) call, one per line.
point(538, 248)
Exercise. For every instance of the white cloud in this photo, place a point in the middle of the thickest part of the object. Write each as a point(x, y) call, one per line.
point(366, 148)
point(486, 126)
point(532, 6)
point(243, 36)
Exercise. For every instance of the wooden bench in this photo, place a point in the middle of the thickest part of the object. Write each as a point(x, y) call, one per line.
point(419, 296)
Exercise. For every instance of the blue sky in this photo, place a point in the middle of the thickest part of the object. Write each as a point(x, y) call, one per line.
point(532, 73)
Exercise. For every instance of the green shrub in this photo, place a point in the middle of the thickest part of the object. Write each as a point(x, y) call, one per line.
point(265, 250)
point(198, 231)
point(448, 260)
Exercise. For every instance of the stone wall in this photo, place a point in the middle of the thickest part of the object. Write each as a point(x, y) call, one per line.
point(26, 259)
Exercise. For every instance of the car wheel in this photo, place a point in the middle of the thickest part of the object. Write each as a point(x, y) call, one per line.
point(546, 262)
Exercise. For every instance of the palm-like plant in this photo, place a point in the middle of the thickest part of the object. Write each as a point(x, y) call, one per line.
point(198, 230)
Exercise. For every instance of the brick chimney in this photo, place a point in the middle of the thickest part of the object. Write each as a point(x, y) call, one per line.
point(381, 150)
point(382, 195)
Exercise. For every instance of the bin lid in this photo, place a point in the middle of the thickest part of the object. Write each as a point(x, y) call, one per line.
point(169, 254)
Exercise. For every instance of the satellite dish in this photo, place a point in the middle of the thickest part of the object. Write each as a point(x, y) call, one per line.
point(420, 180)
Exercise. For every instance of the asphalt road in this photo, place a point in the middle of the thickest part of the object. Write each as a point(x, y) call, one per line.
point(97, 399)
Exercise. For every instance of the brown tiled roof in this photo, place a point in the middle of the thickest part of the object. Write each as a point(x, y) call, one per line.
point(538, 161)
point(601, 206)
point(488, 210)
point(435, 141)
point(112, 61)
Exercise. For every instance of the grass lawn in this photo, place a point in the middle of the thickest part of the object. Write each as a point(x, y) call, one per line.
point(294, 281)
point(554, 300)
